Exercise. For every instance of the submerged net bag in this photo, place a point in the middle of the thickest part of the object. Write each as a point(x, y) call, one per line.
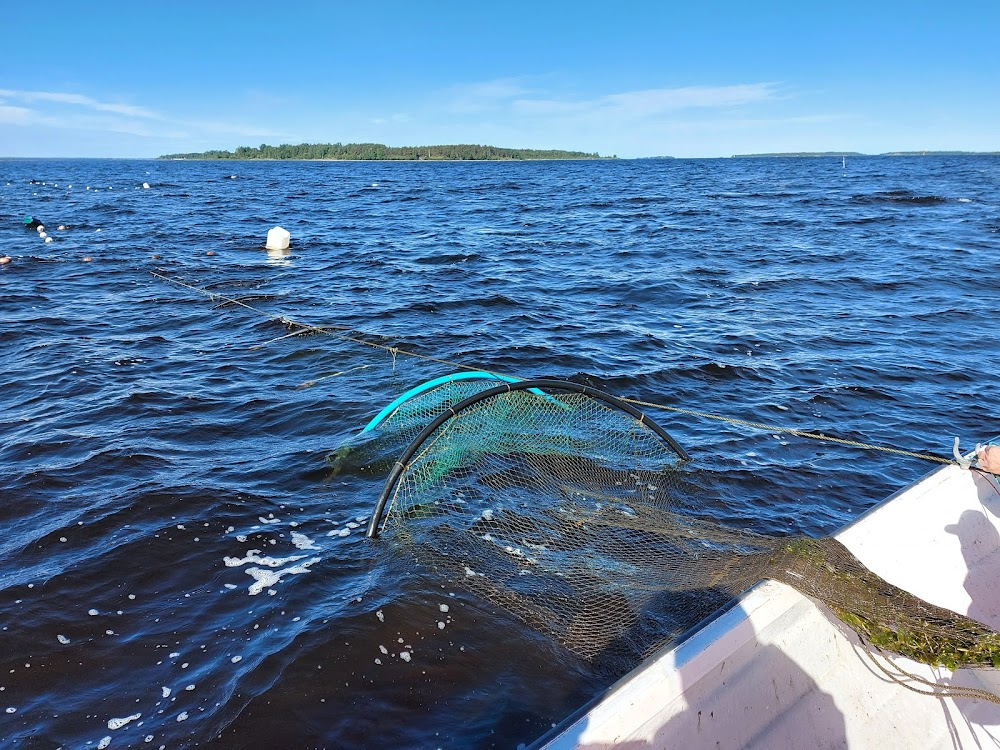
point(564, 506)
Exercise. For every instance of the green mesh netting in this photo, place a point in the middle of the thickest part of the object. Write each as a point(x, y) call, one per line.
point(563, 509)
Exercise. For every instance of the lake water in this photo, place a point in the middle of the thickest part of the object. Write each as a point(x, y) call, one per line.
point(154, 437)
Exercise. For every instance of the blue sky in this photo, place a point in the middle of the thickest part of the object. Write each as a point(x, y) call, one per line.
point(689, 79)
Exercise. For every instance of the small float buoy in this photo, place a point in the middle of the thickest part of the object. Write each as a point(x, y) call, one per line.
point(87, 259)
point(210, 252)
point(4, 260)
point(61, 227)
point(277, 239)
point(42, 235)
point(145, 186)
point(154, 256)
point(48, 239)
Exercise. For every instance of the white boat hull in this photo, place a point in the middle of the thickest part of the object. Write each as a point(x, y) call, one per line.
point(781, 671)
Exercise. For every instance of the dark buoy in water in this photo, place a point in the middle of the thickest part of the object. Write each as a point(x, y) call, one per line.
point(30, 222)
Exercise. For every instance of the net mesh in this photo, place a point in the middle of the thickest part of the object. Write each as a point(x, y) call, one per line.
point(570, 514)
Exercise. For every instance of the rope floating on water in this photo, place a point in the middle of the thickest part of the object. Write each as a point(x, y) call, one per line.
point(346, 334)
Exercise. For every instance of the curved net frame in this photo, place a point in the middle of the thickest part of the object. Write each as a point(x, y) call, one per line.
point(562, 508)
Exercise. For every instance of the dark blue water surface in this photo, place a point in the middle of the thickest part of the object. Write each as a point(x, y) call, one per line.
point(160, 448)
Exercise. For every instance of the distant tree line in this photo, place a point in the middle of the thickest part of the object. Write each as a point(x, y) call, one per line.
point(380, 152)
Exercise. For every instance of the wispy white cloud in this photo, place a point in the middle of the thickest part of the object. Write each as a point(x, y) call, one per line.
point(476, 98)
point(15, 115)
point(69, 111)
point(80, 100)
point(649, 102)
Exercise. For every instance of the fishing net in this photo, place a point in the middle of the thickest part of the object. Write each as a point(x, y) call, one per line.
point(395, 426)
point(567, 508)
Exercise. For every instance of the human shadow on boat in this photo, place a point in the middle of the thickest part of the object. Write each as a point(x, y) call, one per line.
point(979, 538)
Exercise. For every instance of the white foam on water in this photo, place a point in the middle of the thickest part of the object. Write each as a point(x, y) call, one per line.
point(272, 519)
point(93, 612)
point(383, 649)
point(105, 741)
point(352, 525)
point(405, 656)
point(267, 578)
point(236, 659)
point(253, 556)
point(166, 692)
point(11, 710)
point(440, 625)
point(443, 607)
point(119, 723)
point(302, 541)
point(339, 532)
point(62, 639)
point(380, 616)
point(182, 716)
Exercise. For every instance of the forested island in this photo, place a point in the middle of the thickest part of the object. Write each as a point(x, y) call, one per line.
point(942, 153)
point(840, 154)
point(380, 152)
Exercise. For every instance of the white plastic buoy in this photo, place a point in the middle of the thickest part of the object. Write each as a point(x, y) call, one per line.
point(40, 228)
point(277, 239)
point(42, 235)
point(145, 186)
point(48, 239)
